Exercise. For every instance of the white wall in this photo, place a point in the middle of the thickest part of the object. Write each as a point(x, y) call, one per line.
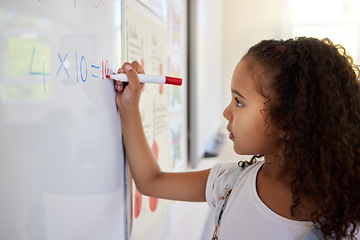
point(246, 23)
point(205, 79)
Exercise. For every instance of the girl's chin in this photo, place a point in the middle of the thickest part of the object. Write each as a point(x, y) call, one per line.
point(241, 151)
point(237, 150)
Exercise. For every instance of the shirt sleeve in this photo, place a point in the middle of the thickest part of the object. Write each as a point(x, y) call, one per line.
point(219, 176)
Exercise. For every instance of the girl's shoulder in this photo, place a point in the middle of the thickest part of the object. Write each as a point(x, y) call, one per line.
point(221, 174)
point(225, 170)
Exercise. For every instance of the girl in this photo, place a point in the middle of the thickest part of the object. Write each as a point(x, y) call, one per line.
point(296, 103)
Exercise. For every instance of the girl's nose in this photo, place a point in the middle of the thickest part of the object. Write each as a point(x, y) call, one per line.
point(226, 113)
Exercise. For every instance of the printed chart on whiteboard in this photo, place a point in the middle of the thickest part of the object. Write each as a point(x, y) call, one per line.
point(162, 107)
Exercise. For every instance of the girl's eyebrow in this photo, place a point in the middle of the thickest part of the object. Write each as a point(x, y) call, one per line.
point(238, 93)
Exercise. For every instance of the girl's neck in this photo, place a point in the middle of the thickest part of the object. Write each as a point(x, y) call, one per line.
point(273, 185)
point(274, 189)
point(274, 168)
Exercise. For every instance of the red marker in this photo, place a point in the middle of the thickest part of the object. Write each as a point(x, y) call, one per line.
point(144, 78)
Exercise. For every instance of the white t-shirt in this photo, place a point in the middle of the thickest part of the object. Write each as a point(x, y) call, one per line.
point(245, 215)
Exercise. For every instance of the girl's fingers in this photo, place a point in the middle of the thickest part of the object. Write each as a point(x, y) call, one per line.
point(119, 86)
point(131, 74)
point(138, 68)
point(131, 69)
point(121, 70)
point(135, 65)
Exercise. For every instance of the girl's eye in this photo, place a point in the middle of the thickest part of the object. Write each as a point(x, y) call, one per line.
point(238, 103)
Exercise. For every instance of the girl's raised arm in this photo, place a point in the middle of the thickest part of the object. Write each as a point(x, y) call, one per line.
point(148, 177)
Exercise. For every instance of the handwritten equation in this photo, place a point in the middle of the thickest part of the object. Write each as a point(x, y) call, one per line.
point(101, 4)
point(83, 70)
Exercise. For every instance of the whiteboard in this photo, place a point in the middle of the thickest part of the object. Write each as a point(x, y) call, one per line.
point(61, 155)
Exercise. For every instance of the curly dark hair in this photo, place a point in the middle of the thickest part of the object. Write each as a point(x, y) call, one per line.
point(314, 97)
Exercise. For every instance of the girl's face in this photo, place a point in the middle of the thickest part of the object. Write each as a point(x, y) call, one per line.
point(246, 115)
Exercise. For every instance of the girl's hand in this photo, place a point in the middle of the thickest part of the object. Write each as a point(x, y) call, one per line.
point(128, 94)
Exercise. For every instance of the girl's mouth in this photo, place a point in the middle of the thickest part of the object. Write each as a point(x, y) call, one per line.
point(231, 136)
